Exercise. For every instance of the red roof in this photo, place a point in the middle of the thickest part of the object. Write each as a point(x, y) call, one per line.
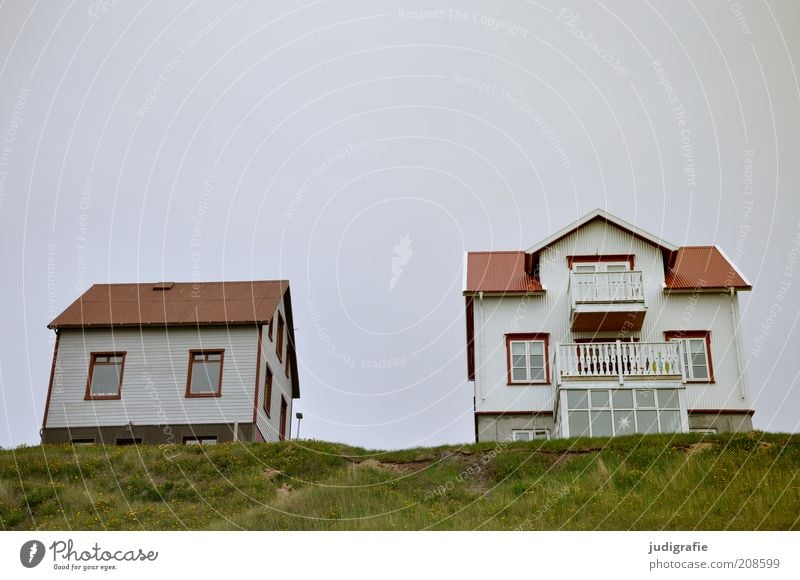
point(499, 272)
point(168, 304)
point(696, 267)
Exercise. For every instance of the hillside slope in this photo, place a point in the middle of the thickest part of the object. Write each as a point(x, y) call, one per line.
point(748, 481)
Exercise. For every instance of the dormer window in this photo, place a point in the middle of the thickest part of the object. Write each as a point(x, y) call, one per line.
point(601, 263)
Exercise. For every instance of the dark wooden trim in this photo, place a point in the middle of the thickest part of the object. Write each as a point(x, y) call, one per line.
point(672, 334)
point(503, 413)
point(544, 336)
point(288, 360)
point(258, 372)
point(268, 377)
point(590, 259)
point(88, 394)
point(52, 376)
point(205, 351)
point(469, 304)
point(720, 411)
point(282, 426)
point(279, 338)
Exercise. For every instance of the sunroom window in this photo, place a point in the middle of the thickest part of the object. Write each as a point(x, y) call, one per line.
point(608, 412)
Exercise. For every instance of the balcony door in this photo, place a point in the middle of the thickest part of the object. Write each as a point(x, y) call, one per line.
point(610, 280)
point(602, 267)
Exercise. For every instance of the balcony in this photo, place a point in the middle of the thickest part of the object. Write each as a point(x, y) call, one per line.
point(606, 301)
point(619, 361)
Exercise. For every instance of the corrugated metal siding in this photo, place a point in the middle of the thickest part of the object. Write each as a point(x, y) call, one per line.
point(550, 313)
point(281, 384)
point(154, 379)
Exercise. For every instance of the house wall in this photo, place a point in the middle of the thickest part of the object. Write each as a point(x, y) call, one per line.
point(501, 427)
point(550, 312)
point(281, 384)
point(154, 377)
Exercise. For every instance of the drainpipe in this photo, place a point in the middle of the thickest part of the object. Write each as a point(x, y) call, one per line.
point(738, 343)
point(482, 349)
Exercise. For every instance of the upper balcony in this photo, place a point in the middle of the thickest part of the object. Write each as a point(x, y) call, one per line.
point(607, 301)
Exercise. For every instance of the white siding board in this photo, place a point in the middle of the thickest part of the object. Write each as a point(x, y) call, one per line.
point(154, 379)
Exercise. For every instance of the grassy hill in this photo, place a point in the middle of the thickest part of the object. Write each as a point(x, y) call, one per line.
point(748, 481)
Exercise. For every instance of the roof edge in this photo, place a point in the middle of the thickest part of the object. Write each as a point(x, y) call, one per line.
point(734, 266)
point(602, 214)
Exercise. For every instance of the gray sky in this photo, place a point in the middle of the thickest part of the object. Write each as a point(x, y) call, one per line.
point(181, 141)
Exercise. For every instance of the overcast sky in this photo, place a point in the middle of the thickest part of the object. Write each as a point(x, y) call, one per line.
point(319, 141)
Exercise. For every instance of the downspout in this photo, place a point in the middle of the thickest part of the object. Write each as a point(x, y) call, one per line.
point(738, 343)
point(482, 348)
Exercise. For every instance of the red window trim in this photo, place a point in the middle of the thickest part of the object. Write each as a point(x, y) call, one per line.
point(521, 336)
point(204, 351)
point(284, 413)
point(279, 338)
point(268, 377)
point(672, 334)
point(88, 396)
point(591, 259)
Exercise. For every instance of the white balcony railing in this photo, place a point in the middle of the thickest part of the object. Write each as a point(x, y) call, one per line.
point(591, 287)
point(619, 360)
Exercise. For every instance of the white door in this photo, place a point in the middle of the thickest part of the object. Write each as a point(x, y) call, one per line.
point(610, 281)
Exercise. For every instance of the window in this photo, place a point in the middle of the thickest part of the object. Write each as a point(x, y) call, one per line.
point(607, 412)
point(703, 430)
point(279, 340)
point(527, 358)
point(283, 417)
point(601, 263)
point(529, 434)
point(105, 375)
point(268, 392)
point(82, 441)
point(269, 328)
point(696, 354)
point(200, 440)
point(288, 361)
point(205, 373)
point(129, 441)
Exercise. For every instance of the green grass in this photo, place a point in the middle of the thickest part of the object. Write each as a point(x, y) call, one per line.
point(745, 482)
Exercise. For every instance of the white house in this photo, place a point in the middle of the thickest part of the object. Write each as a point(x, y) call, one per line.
point(603, 329)
point(173, 363)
